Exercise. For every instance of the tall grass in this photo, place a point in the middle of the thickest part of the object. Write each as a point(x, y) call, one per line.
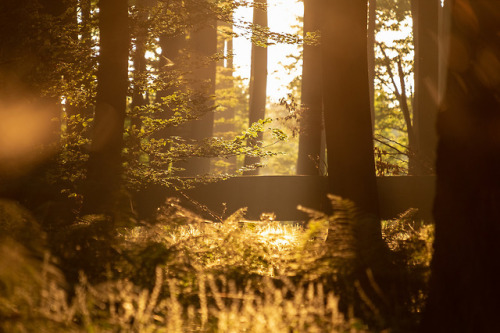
point(183, 274)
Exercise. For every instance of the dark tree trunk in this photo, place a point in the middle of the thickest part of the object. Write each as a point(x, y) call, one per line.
point(351, 164)
point(204, 46)
point(138, 98)
point(425, 34)
point(104, 167)
point(85, 39)
point(308, 160)
point(258, 83)
point(139, 61)
point(464, 289)
point(349, 140)
point(86, 8)
point(372, 20)
point(169, 65)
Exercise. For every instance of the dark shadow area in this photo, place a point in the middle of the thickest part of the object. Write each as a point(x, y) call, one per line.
point(282, 194)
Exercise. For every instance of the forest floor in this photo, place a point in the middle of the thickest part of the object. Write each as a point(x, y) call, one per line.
point(185, 274)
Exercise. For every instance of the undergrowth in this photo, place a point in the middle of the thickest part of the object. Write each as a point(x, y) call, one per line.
point(180, 273)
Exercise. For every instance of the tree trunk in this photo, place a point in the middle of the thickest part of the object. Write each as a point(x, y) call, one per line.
point(171, 48)
point(204, 46)
point(258, 83)
point(308, 160)
point(225, 123)
point(464, 289)
point(349, 140)
point(372, 21)
point(139, 61)
point(84, 35)
point(351, 165)
point(425, 35)
point(104, 166)
point(400, 92)
point(226, 81)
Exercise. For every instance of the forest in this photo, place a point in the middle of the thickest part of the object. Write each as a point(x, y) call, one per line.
point(349, 181)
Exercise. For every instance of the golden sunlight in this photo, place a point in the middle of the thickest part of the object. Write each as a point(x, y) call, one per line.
point(279, 236)
point(283, 18)
point(26, 135)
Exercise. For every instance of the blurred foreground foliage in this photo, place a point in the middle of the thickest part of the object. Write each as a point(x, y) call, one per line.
point(180, 273)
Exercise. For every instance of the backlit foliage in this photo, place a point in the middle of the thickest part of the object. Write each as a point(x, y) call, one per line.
point(394, 45)
point(175, 272)
point(183, 273)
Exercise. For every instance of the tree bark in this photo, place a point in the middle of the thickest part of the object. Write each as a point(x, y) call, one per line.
point(464, 290)
point(139, 60)
point(351, 164)
point(85, 39)
point(204, 46)
point(225, 123)
point(104, 166)
point(226, 81)
point(425, 35)
point(349, 140)
point(312, 99)
point(372, 22)
point(400, 92)
point(169, 65)
point(258, 83)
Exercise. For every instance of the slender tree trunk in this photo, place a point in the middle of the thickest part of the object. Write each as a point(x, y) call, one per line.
point(312, 100)
point(86, 39)
point(425, 34)
point(139, 61)
point(169, 65)
point(204, 46)
point(226, 82)
point(104, 166)
point(258, 82)
point(229, 54)
point(231, 114)
point(464, 289)
point(402, 98)
point(372, 21)
point(170, 68)
point(84, 30)
point(138, 99)
point(351, 166)
point(225, 123)
point(86, 7)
